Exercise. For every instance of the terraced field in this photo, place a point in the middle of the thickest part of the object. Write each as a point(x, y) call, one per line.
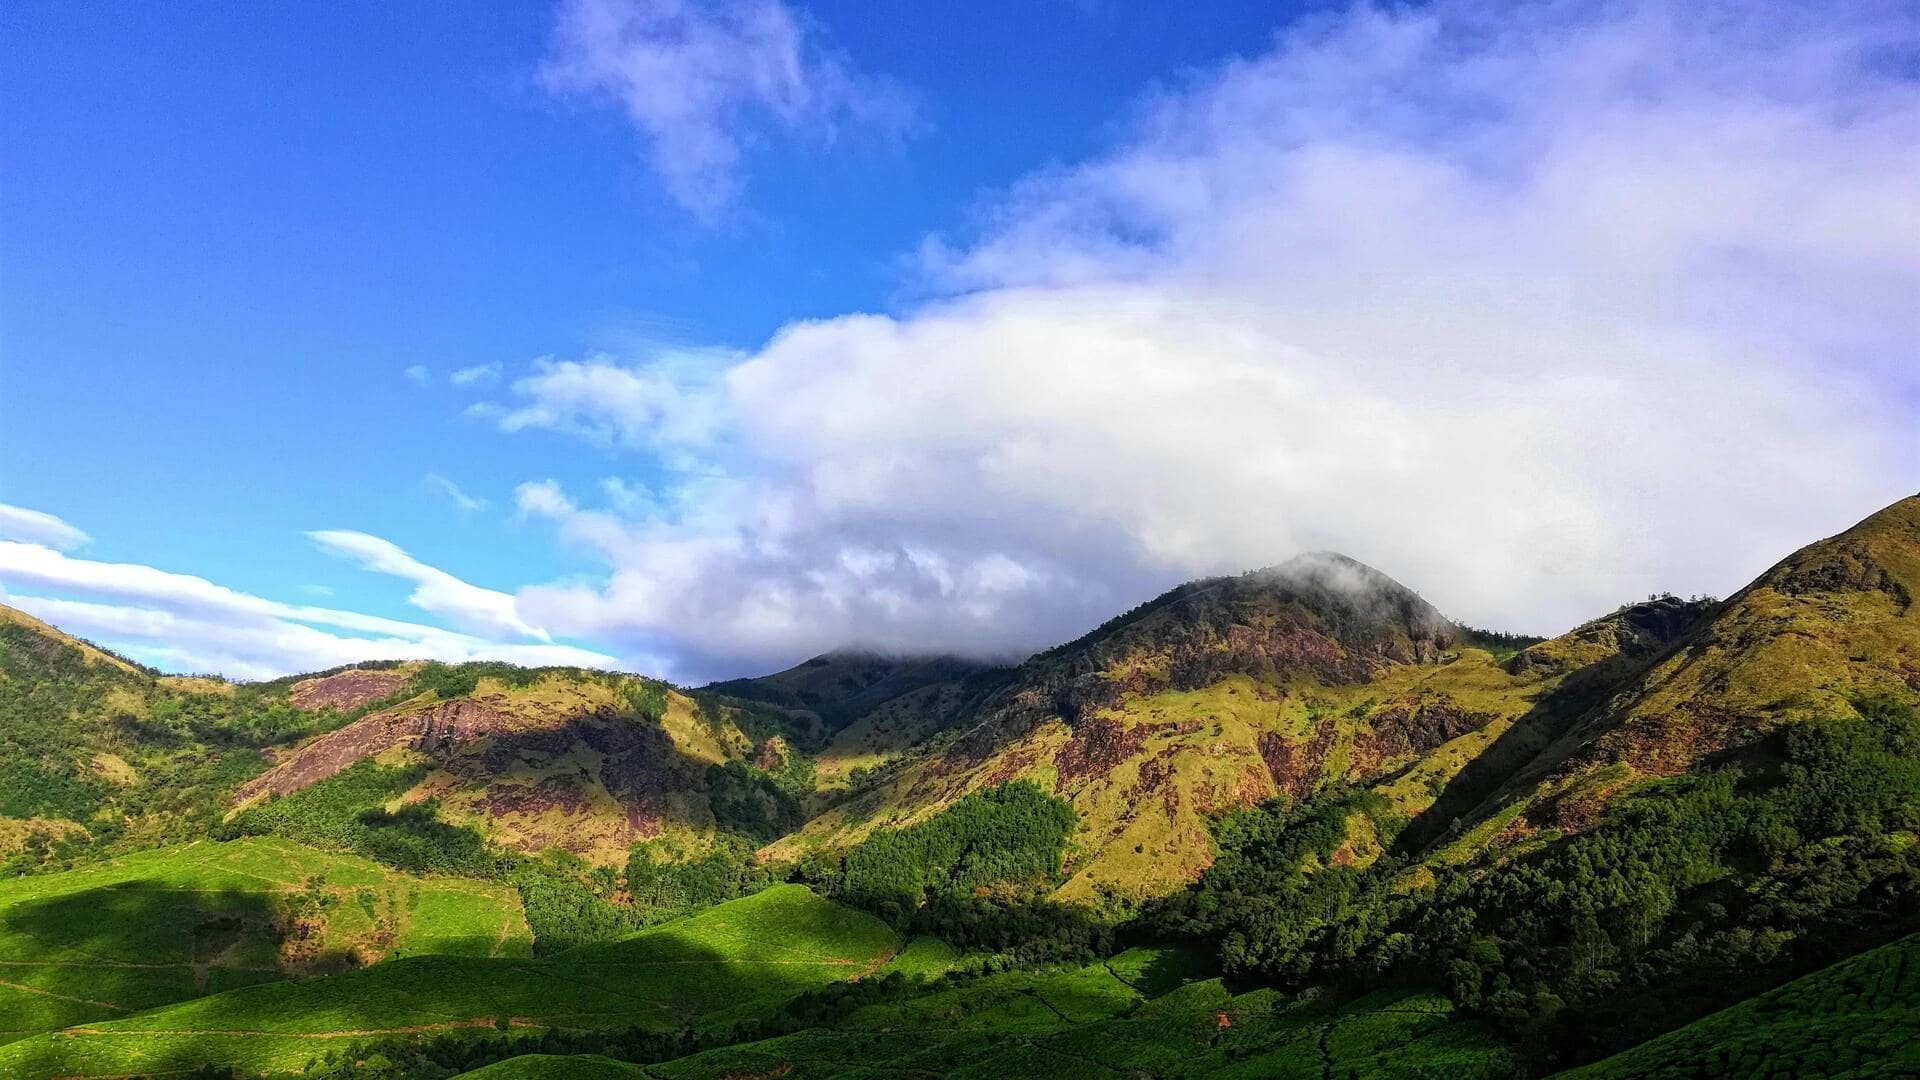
point(146, 930)
point(737, 961)
point(1858, 1019)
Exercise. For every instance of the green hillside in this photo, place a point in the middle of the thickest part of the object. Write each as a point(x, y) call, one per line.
point(558, 1067)
point(162, 926)
point(1123, 1018)
point(732, 963)
point(1855, 1020)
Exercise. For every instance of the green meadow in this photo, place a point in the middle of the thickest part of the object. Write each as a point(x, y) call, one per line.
point(735, 962)
point(1138, 1014)
point(115, 938)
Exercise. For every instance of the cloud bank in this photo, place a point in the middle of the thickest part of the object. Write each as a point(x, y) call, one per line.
point(701, 80)
point(1537, 308)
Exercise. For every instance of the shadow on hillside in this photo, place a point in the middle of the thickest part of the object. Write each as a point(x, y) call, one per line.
point(144, 923)
point(528, 775)
point(664, 980)
point(1521, 756)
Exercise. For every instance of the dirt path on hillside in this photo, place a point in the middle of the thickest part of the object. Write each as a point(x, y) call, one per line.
point(25, 989)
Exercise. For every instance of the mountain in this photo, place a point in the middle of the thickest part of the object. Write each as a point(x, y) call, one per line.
point(1353, 835)
point(863, 710)
point(1217, 694)
point(588, 762)
point(101, 754)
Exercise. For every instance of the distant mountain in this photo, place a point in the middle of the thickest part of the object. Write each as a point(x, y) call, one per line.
point(868, 711)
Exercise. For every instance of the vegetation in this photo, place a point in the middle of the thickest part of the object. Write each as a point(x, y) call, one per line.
point(729, 965)
point(162, 926)
point(1852, 1021)
point(1691, 893)
point(1399, 856)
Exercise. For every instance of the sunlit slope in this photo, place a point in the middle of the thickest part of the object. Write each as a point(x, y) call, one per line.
point(1219, 694)
point(1833, 623)
point(1132, 1016)
point(1855, 1020)
point(730, 963)
point(111, 939)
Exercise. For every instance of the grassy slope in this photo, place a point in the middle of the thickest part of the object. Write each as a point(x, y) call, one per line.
point(1130, 1016)
point(1833, 621)
point(558, 1067)
point(1187, 753)
point(1857, 1019)
point(510, 797)
point(734, 962)
point(162, 926)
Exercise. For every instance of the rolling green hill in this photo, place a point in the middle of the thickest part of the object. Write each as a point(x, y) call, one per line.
point(1127, 1017)
point(732, 963)
point(1857, 1019)
point(148, 929)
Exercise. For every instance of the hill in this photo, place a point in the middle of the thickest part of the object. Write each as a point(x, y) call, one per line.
point(589, 762)
point(1855, 1020)
point(98, 754)
point(1131, 1016)
point(1720, 799)
point(726, 965)
point(1218, 694)
point(868, 712)
point(162, 926)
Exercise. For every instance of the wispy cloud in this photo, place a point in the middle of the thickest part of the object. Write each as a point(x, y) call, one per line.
point(477, 375)
point(438, 592)
point(701, 79)
point(452, 492)
point(187, 623)
point(38, 527)
point(1536, 307)
point(418, 375)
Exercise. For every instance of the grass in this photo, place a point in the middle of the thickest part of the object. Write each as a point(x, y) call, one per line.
point(557, 1067)
point(735, 962)
point(146, 930)
point(1136, 1015)
point(1857, 1019)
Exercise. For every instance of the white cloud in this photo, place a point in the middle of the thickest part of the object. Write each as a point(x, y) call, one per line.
point(669, 407)
point(185, 623)
point(452, 492)
point(1537, 308)
point(481, 610)
point(418, 374)
point(38, 527)
point(478, 375)
point(700, 80)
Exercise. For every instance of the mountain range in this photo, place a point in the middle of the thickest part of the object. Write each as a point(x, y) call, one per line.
point(1291, 797)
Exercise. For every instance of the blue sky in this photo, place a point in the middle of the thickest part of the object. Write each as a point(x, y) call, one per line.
point(244, 251)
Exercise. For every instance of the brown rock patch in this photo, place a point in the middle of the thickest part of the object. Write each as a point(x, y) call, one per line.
point(346, 691)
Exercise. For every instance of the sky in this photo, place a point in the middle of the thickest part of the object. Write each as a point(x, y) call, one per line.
point(696, 338)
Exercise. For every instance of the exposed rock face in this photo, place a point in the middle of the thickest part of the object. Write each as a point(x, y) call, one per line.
point(347, 690)
point(431, 730)
point(1635, 632)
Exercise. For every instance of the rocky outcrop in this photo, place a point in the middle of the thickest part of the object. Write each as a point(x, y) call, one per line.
point(435, 729)
point(346, 691)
